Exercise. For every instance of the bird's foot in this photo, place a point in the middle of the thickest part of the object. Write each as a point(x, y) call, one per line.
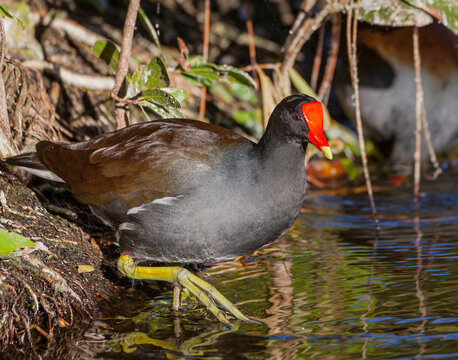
point(207, 294)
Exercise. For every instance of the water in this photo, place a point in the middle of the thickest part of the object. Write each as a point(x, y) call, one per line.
point(332, 288)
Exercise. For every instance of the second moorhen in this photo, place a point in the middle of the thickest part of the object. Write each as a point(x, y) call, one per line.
point(183, 191)
point(387, 90)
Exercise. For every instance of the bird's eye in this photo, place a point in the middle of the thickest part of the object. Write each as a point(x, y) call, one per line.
point(296, 117)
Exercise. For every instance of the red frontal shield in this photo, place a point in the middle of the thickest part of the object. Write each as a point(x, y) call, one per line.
point(313, 115)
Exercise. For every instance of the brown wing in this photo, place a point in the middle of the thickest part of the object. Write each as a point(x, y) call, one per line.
point(141, 162)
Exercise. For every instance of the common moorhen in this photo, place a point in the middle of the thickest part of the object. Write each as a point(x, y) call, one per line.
point(184, 191)
point(387, 90)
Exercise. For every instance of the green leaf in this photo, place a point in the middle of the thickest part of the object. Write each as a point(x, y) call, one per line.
point(446, 11)
point(244, 93)
point(10, 242)
point(180, 95)
point(161, 102)
point(267, 95)
point(153, 75)
point(203, 75)
point(236, 75)
point(206, 73)
point(163, 112)
point(159, 97)
point(158, 75)
point(5, 13)
point(249, 119)
point(196, 61)
point(108, 52)
point(391, 13)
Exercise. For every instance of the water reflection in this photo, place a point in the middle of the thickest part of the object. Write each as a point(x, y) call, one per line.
point(332, 288)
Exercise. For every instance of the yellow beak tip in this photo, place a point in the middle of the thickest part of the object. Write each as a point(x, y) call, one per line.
point(327, 152)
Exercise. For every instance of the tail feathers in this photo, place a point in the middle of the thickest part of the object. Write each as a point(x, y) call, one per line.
point(28, 160)
point(31, 163)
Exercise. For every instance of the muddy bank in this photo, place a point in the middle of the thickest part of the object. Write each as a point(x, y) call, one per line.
point(44, 295)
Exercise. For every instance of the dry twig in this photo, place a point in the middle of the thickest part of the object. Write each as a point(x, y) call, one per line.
point(306, 6)
point(123, 64)
point(269, 66)
point(429, 145)
point(332, 58)
point(355, 82)
point(4, 121)
point(251, 43)
point(70, 27)
point(91, 82)
point(300, 34)
point(203, 96)
point(348, 36)
point(418, 113)
point(317, 59)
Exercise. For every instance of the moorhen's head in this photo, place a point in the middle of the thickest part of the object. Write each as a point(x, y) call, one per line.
point(299, 118)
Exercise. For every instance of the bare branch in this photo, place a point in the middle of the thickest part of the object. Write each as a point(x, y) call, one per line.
point(418, 113)
point(91, 82)
point(251, 43)
point(317, 59)
point(206, 40)
point(332, 58)
point(359, 125)
point(429, 145)
point(269, 66)
point(123, 65)
point(299, 36)
point(306, 6)
point(348, 35)
point(4, 120)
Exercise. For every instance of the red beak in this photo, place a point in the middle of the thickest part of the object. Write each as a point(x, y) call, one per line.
point(313, 115)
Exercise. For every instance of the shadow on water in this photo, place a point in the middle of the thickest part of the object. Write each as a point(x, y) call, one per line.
point(332, 288)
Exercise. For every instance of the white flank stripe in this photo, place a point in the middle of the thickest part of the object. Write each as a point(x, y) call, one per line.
point(137, 209)
point(45, 174)
point(126, 226)
point(167, 200)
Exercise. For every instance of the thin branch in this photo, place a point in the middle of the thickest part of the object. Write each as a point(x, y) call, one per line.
point(304, 11)
point(4, 120)
point(125, 101)
point(298, 38)
point(268, 66)
point(123, 64)
point(419, 101)
point(70, 27)
point(429, 145)
point(325, 98)
point(203, 96)
point(317, 59)
point(348, 35)
point(359, 124)
point(91, 82)
point(3, 40)
point(251, 43)
point(332, 58)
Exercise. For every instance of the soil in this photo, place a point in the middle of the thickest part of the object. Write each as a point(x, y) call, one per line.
point(43, 295)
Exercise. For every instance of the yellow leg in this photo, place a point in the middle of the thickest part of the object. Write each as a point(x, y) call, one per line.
point(176, 297)
point(184, 279)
